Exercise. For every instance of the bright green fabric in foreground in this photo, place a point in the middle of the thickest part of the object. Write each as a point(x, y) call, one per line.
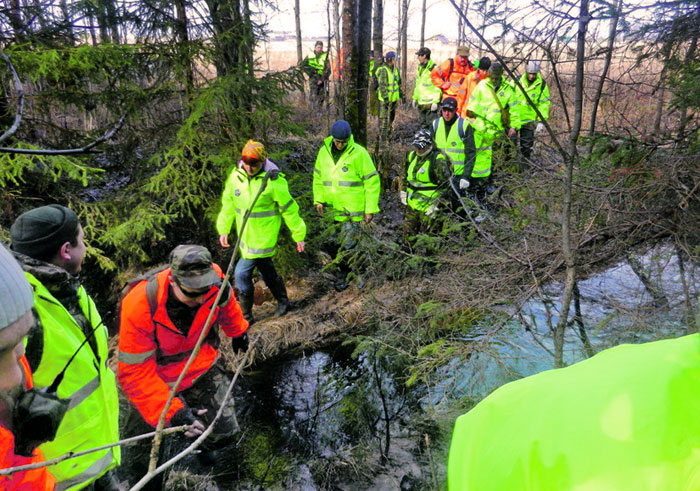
point(626, 419)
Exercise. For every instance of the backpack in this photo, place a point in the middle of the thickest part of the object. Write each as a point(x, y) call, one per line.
point(151, 288)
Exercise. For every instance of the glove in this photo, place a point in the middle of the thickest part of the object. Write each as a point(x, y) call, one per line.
point(539, 129)
point(414, 103)
point(434, 107)
point(431, 210)
point(184, 416)
point(403, 195)
point(463, 184)
point(240, 343)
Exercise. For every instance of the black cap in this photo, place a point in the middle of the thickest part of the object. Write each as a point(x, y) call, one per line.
point(449, 103)
point(485, 63)
point(423, 52)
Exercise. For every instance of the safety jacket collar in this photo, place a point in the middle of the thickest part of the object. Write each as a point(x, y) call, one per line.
point(268, 166)
point(529, 85)
point(349, 148)
point(54, 278)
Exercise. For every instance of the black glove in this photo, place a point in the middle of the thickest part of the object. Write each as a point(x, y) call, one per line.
point(183, 416)
point(240, 343)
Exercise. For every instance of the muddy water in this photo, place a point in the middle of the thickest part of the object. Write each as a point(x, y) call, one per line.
point(320, 408)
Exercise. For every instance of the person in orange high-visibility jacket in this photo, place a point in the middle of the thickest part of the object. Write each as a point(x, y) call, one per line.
point(16, 319)
point(451, 74)
point(472, 80)
point(157, 335)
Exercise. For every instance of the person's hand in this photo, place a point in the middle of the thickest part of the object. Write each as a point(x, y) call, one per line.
point(223, 240)
point(463, 184)
point(240, 343)
point(188, 416)
point(539, 129)
point(319, 83)
point(414, 103)
point(403, 196)
point(511, 132)
point(319, 209)
point(433, 107)
point(445, 86)
point(300, 246)
point(368, 217)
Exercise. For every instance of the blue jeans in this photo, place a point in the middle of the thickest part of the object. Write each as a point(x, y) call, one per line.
point(244, 273)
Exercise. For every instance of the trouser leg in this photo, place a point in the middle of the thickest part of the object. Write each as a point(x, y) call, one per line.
point(275, 283)
point(243, 275)
point(208, 392)
point(527, 139)
point(384, 121)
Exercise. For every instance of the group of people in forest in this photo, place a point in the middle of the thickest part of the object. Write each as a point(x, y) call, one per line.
point(465, 110)
point(52, 337)
point(59, 394)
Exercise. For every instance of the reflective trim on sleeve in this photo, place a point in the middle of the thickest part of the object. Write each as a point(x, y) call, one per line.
point(316, 171)
point(135, 358)
point(370, 175)
point(485, 171)
point(282, 208)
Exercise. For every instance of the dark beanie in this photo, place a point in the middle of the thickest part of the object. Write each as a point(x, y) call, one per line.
point(341, 130)
point(40, 232)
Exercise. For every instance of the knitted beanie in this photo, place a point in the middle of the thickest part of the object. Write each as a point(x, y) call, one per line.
point(40, 232)
point(16, 296)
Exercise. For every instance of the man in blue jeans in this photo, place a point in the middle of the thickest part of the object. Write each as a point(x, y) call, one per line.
point(259, 237)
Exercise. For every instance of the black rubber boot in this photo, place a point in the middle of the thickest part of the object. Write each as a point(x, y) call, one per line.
point(279, 291)
point(246, 302)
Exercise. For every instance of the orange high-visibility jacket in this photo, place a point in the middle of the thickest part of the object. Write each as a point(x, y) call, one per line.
point(469, 85)
point(454, 73)
point(153, 352)
point(31, 480)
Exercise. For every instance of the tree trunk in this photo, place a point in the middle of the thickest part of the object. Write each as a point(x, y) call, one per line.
point(339, 82)
point(685, 117)
point(399, 24)
point(661, 88)
point(422, 24)
point(15, 14)
point(567, 246)
point(355, 12)
point(297, 23)
point(183, 40)
point(378, 31)
point(67, 21)
point(404, 44)
point(608, 58)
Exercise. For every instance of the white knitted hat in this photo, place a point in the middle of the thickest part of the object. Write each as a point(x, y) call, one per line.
point(16, 296)
point(532, 67)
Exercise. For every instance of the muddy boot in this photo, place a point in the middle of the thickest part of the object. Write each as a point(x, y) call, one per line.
point(279, 291)
point(246, 302)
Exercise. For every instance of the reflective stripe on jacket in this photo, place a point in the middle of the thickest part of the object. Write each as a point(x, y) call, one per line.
point(262, 229)
point(454, 73)
point(538, 91)
point(153, 351)
point(318, 62)
point(30, 480)
point(423, 178)
point(389, 81)
point(351, 185)
point(451, 144)
point(425, 92)
point(92, 419)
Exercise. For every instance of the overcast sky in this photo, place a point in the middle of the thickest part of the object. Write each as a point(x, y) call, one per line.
point(441, 19)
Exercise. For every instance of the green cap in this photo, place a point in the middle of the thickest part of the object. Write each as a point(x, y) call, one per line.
point(191, 267)
point(40, 232)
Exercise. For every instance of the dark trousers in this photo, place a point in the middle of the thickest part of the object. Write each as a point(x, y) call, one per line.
point(526, 135)
point(317, 90)
point(427, 116)
point(244, 274)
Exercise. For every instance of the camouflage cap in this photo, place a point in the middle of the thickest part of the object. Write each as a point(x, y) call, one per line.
point(191, 267)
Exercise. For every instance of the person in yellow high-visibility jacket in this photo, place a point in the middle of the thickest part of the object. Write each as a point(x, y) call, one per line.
point(624, 419)
point(346, 181)
point(259, 236)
